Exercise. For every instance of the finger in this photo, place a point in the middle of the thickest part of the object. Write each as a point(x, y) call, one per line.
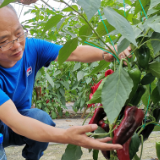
point(127, 54)
point(122, 55)
point(88, 128)
point(96, 144)
point(113, 147)
point(107, 139)
point(129, 48)
point(109, 57)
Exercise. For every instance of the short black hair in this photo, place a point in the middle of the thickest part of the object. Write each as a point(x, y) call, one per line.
point(9, 6)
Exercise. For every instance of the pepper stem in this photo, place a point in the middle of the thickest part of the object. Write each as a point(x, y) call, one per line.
point(129, 66)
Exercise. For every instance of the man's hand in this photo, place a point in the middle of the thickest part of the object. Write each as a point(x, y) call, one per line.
point(77, 135)
point(28, 2)
point(126, 53)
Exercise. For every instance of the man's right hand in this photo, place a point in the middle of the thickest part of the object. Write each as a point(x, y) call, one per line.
point(77, 135)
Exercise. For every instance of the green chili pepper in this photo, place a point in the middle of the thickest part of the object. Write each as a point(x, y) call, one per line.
point(149, 128)
point(156, 114)
point(135, 74)
point(138, 95)
point(158, 149)
point(143, 56)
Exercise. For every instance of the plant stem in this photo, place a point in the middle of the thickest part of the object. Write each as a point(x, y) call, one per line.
point(111, 135)
point(146, 125)
point(141, 147)
point(111, 127)
point(129, 66)
point(142, 45)
point(47, 4)
point(90, 27)
point(144, 35)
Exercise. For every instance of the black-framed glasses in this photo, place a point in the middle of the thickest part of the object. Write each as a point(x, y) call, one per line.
point(19, 39)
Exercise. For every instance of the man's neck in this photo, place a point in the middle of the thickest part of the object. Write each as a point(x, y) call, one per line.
point(7, 65)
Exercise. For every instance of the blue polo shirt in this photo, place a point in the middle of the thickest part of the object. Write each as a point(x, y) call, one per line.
point(17, 82)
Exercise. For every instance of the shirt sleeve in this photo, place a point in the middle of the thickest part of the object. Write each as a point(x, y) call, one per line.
point(46, 52)
point(4, 98)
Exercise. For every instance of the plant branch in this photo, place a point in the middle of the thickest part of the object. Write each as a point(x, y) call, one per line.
point(142, 45)
point(90, 26)
point(47, 4)
point(141, 146)
point(144, 35)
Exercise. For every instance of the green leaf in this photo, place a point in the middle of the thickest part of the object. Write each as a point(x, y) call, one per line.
point(101, 29)
point(68, 9)
point(146, 95)
point(82, 102)
point(158, 85)
point(155, 96)
point(49, 79)
point(62, 91)
point(65, 84)
point(6, 2)
point(67, 49)
point(134, 145)
point(59, 24)
point(90, 7)
point(123, 44)
point(154, 3)
point(95, 154)
point(138, 6)
point(52, 22)
point(63, 100)
point(136, 157)
point(115, 92)
point(102, 65)
point(85, 31)
point(54, 115)
point(121, 24)
point(80, 75)
point(77, 66)
point(155, 26)
point(154, 68)
point(100, 130)
point(88, 80)
point(155, 44)
point(72, 152)
point(57, 73)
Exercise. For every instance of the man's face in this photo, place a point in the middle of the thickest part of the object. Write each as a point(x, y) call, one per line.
point(10, 29)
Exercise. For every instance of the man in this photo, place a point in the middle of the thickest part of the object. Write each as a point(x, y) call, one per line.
point(20, 60)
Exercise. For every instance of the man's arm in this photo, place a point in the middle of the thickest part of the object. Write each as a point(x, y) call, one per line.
point(41, 132)
point(89, 54)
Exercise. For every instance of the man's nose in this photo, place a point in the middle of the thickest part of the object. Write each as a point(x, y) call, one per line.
point(16, 44)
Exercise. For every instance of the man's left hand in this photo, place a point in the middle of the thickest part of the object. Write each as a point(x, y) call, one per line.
point(126, 53)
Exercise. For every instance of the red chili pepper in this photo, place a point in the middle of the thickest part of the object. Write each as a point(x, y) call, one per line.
point(106, 154)
point(90, 105)
point(123, 154)
point(103, 125)
point(95, 87)
point(98, 115)
point(47, 101)
point(133, 118)
point(108, 72)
